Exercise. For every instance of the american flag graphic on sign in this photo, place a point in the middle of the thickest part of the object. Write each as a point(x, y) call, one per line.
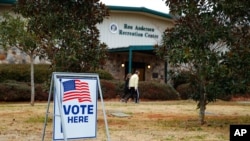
point(76, 89)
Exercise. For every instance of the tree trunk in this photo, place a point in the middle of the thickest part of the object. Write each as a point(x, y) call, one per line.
point(202, 91)
point(32, 84)
point(202, 105)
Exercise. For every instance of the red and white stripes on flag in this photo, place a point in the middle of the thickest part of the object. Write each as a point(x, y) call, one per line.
point(76, 89)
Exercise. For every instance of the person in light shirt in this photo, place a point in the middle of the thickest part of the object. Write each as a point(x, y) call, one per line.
point(133, 85)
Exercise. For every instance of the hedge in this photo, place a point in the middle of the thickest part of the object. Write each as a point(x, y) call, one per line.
point(20, 91)
point(21, 72)
point(111, 89)
point(42, 73)
point(15, 84)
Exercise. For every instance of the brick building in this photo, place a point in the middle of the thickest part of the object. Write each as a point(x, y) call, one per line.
point(130, 33)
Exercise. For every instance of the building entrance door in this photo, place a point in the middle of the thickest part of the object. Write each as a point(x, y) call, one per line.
point(142, 74)
point(137, 66)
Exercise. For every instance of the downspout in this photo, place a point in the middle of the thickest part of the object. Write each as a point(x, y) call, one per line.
point(166, 72)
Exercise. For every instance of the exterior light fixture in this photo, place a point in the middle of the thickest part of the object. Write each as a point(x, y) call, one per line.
point(149, 66)
point(123, 65)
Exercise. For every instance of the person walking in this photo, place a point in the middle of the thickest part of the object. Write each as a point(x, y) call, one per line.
point(133, 85)
point(126, 93)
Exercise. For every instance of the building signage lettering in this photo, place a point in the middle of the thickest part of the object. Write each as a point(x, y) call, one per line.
point(72, 113)
point(138, 31)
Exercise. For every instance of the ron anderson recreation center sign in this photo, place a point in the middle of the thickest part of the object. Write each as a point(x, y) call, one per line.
point(136, 30)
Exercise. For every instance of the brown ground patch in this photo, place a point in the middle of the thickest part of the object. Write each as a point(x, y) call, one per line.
point(148, 121)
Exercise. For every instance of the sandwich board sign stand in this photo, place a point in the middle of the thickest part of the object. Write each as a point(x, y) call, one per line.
point(75, 106)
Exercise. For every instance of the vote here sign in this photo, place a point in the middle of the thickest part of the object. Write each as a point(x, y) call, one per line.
point(75, 108)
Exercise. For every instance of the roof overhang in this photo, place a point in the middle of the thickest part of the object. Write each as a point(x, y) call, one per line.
point(140, 9)
point(137, 48)
point(8, 1)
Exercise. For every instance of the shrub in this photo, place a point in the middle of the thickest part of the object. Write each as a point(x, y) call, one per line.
point(120, 86)
point(21, 72)
point(40, 93)
point(104, 75)
point(157, 91)
point(108, 89)
point(42, 73)
point(147, 90)
point(14, 72)
point(14, 91)
point(180, 78)
point(184, 91)
point(20, 91)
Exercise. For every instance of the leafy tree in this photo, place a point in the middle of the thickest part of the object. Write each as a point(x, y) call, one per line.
point(237, 59)
point(63, 31)
point(14, 32)
point(68, 31)
point(203, 42)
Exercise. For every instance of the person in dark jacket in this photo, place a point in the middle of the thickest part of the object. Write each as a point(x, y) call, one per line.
point(126, 88)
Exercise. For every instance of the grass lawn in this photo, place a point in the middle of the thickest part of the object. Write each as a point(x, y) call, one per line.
point(147, 121)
